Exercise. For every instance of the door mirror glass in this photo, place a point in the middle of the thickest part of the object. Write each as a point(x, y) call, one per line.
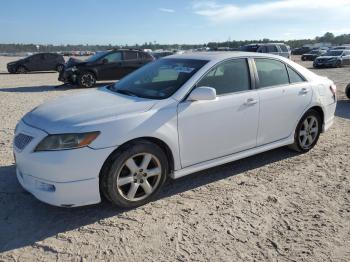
point(104, 61)
point(202, 93)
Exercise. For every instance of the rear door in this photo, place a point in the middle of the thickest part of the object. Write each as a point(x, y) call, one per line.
point(33, 63)
point(283, 97)
point(346, 57)
point(131, 62)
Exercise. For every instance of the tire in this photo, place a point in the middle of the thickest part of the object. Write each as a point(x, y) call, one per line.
point(306, 137)
point(59, 68)
point(129, 181)
point(347, 91)
point(86, 79)
point(21, 70)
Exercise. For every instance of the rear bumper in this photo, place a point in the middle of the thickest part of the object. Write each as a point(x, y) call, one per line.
point(329, 116)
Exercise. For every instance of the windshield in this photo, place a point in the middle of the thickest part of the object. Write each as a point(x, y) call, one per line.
point(158, 80)
point(96, 56)
point(333, 53)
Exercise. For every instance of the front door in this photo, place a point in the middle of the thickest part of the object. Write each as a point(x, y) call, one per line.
point(110, 67)
point(217, 128)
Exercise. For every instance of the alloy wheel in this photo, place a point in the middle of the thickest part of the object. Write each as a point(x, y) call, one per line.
point(139, 177)
point(308, 132)
point(88, 80)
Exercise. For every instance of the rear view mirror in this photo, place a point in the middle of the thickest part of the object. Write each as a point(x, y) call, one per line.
point(202, 93)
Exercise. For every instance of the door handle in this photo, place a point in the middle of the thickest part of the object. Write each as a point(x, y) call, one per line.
point(304, 91)
point(251, 101)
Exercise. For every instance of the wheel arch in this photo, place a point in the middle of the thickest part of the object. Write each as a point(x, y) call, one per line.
point(164, 146)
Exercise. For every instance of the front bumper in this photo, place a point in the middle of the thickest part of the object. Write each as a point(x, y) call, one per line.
point(60, 178)
point(325, 63)
point(64, 194)
point(11, 68)
point(67, 76)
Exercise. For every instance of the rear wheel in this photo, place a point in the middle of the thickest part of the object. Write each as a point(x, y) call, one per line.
point(135, 175)
point(87, 79)
point(347, 91)
point(307, 132)
point(21, 70)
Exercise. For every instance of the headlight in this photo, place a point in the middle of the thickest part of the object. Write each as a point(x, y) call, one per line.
point(66, 141)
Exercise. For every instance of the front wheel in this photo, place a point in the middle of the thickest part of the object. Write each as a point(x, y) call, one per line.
point(21, 70)
point(59, 68)
point(87, 80)
point(347, 91)
point(135, 175)
point(307, 132)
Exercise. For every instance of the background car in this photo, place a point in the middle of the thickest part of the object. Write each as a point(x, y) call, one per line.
point(176, 116)
point(160, 54)
point(311, 56)
point(347, 91)
point(301, 50)
point(37, 62)
point(105, 65)
point(333, 58)
point(269, 48)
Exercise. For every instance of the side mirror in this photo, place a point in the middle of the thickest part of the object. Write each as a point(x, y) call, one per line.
point(202, 93)
point(104, 61)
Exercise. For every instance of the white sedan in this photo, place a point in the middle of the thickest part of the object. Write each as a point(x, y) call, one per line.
point(178, 115)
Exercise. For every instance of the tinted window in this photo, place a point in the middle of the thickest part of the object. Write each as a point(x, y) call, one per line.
point(294, 77)
point(272, 49)
point(130, 55)
point(283, 48)
point(145, 56)
point(158, 80)
point(114, 57)
point(228, 77)
point(271, 72)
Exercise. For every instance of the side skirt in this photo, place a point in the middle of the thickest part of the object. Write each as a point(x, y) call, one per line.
point(226, 159)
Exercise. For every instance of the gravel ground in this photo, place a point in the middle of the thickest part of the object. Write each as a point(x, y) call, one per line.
point(276, 206)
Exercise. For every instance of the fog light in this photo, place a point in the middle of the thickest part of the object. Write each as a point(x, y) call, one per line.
point(44, 186)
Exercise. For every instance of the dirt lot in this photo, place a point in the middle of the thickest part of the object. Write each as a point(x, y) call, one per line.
point(276, 206)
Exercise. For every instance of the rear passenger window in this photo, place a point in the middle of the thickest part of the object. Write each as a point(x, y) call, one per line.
point(228, 77)
point(272, 49)
point(294, 77)
point(283, 48)
point(130, 55)
point(271, 72)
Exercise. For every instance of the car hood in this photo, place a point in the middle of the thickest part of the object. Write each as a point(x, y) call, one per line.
point(74, 61)
point(77, 113)
point(15, 62)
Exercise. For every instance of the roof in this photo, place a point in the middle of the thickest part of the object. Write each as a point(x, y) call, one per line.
point(211, 56)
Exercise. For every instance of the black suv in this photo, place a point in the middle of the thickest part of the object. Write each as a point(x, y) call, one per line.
point(105, 65)
point(37, 62)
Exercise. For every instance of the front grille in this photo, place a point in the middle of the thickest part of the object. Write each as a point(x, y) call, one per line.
point(22, 140)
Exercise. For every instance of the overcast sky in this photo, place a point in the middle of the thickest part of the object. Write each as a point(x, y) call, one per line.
point(168, 21)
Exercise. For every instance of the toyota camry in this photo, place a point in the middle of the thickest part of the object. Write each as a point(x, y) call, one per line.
point(175, 116)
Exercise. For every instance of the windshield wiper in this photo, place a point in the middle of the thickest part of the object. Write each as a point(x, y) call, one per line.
point(125, 92)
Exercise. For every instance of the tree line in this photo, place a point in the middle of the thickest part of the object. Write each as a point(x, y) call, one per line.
point(17, 48)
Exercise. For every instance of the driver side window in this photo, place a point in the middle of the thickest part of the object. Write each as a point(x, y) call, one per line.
point(228, 77)
point(114, 57)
